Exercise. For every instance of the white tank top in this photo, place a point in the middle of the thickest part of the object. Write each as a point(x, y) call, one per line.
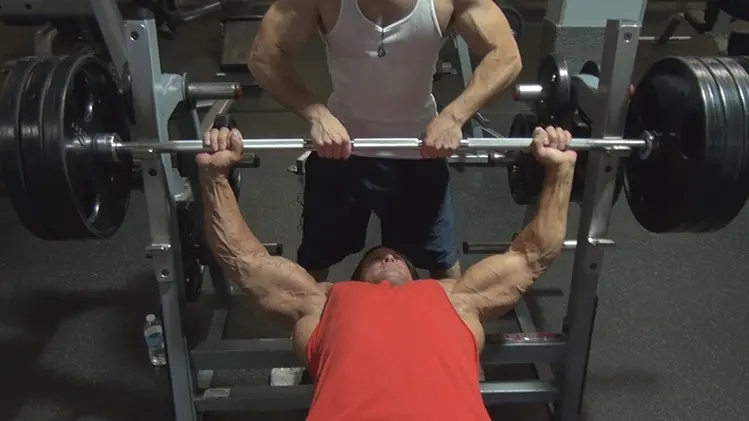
point(389, 96)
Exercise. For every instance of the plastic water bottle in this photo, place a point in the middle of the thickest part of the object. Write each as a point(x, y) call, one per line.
point(154, 335)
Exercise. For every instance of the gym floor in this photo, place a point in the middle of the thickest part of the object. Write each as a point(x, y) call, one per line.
point(670, 340)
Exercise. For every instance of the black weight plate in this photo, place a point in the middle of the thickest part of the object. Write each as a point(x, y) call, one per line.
point(515, 19)
point(743, 61)
point(556, 108)
point(715, 171)
point(32, 148)
point(592, 68)
point(726, 206)
point(525, 175)
point(91, 194)
point(11, 159)
point(193, 270)
point(741, 80)
point(666, 190)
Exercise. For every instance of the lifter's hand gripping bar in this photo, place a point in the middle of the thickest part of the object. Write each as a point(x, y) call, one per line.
point(249, 160)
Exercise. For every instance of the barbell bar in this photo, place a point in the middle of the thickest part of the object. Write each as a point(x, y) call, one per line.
point(110, 144)
point(501, 247)
point(479, 159)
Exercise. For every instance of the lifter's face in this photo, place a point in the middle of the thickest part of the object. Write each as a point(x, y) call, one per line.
point(385, 264)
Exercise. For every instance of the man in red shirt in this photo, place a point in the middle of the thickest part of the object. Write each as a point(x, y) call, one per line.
point(387, 346)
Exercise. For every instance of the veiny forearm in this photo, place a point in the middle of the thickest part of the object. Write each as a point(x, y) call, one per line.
point(277, 285)
point(275, 72)
point(496, 72)
point(227, 233)
point(542, 240)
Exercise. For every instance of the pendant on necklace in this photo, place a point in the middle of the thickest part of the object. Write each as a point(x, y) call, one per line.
point(381, 51)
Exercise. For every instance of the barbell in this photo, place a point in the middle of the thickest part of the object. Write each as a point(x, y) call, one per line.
point(696, 178)
point(111, 145)
point(66, 150)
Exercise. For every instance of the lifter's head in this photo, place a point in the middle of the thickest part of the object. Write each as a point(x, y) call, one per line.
point(383, 264)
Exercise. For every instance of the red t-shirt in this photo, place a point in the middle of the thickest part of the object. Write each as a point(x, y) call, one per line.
point(400, 353)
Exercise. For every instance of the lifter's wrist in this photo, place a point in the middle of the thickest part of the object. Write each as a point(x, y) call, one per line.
point(212, 177)
point(561, 168)
point(560, 172)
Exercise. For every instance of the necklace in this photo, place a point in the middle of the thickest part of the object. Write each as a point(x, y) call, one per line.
point(381, 49)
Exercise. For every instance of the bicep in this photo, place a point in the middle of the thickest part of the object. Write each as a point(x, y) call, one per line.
point(494, 285)
point(484, 27)
point(287, 25)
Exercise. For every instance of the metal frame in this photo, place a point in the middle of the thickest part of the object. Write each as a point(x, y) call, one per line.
point(619, 52)
point(605, 102)
point(156, 97)
point(155, 100)
point(563, 388)
point(108, 16)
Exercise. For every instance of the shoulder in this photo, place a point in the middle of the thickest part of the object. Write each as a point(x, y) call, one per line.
point(448, 284)
point(326, 287)
point(466, 309)
point(460, 301)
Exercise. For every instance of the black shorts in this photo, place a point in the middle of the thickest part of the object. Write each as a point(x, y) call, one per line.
point(410, 197)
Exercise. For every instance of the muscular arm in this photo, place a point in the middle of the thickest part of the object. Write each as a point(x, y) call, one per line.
point(488, 34)
point(494, 285)
point(285, 28)
point(276, 284)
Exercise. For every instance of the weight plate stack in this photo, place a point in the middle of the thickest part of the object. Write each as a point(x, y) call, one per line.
point(87, 195)
point(730, 200)
point(738, 67)
point(11, 160)
point(672, 189)
point(32, 148)
point(713, 201)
